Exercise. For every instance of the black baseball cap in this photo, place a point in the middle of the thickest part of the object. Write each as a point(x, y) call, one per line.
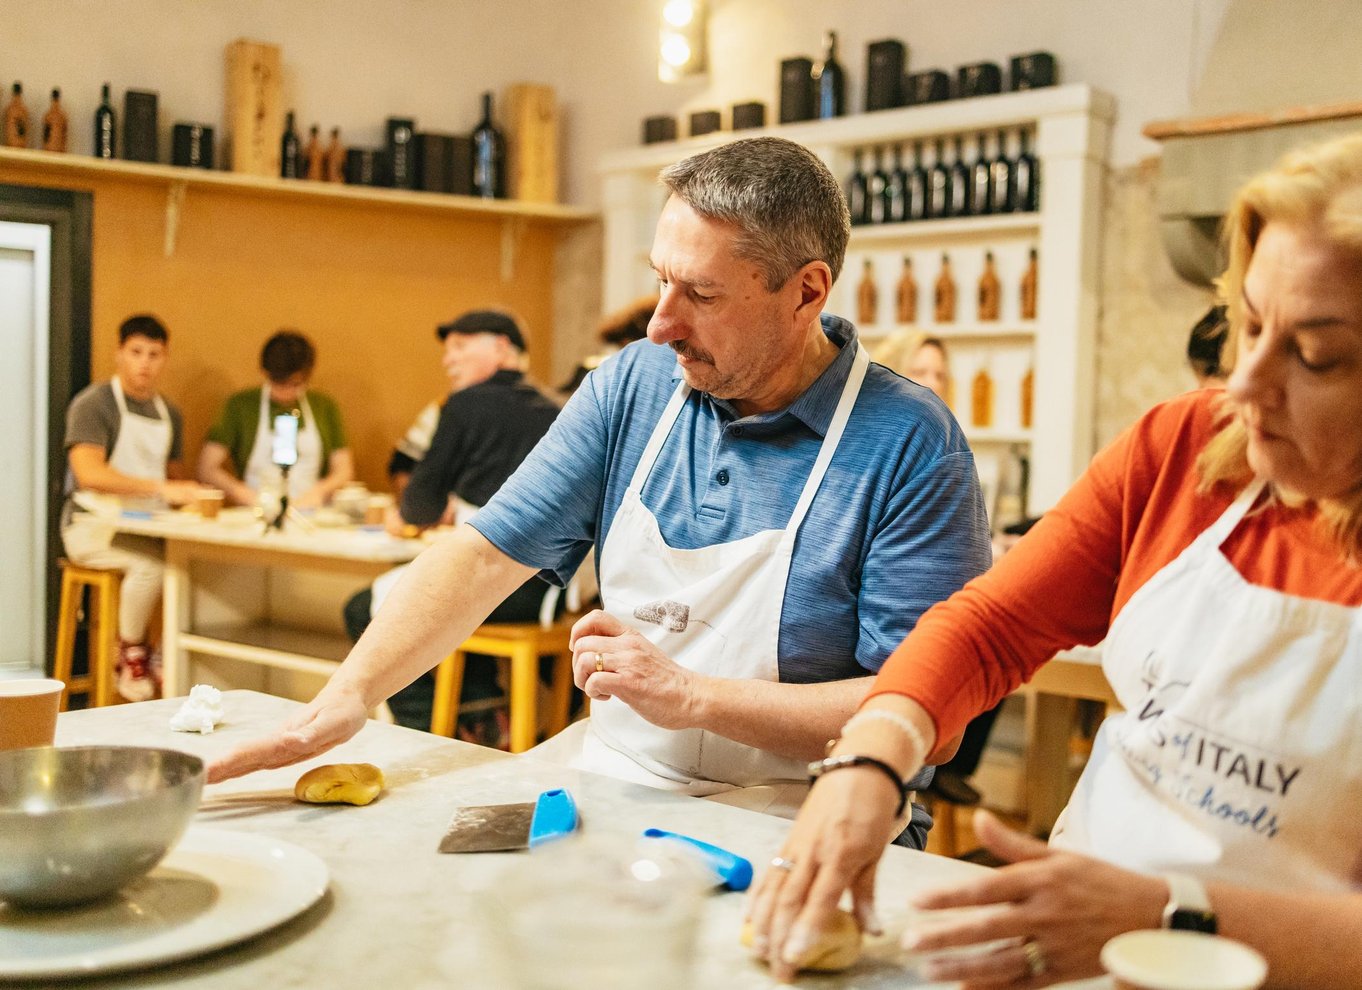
point(485, 321)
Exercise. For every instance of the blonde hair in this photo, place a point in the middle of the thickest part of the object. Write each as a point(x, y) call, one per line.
point(896, 351)
point(1321, 184)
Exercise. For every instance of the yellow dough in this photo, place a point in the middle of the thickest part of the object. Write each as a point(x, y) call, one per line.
point(340, 783)
point(837, 949)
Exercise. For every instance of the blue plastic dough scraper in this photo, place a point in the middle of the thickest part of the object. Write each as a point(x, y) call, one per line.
point(503, 827)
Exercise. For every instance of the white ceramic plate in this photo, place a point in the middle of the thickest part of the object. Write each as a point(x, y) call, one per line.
point(214, 889)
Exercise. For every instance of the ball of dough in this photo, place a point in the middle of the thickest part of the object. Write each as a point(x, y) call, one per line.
point(340, 783)
point(837, 949)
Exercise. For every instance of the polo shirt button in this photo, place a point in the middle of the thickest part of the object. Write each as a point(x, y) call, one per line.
point(722, 477)
point(737, 431)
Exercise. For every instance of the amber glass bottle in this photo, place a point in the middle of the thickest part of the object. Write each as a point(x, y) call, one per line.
point(1028, 398)
point(867, 296)
point(981, 399)
point(907, 293)
point(1028, 288)
point(945, 292)
point(990, 290)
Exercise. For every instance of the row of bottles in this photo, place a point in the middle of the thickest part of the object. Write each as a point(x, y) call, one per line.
point(944, 293)
point(883, 188)
point(315, 161)
point(18, 129)
point(982, 399)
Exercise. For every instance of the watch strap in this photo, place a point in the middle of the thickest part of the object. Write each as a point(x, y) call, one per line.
point(820, 767)
point(1189, 906)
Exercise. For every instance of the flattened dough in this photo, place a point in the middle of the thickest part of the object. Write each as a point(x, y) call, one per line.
point(838, 949)
point(340, 783)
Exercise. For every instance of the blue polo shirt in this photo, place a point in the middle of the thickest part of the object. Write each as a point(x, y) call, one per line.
point(897, 525)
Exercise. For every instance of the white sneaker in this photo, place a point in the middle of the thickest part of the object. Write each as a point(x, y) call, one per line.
point(134, 672)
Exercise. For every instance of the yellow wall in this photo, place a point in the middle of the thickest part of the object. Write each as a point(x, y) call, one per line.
point(367, 283)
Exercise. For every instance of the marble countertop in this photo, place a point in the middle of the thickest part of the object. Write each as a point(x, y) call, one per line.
point(400, 915)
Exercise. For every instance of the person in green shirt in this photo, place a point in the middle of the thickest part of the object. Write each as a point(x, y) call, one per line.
point(237, 456)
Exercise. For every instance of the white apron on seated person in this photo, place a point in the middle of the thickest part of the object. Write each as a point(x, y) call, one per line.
point(142, 450)
point(1239, 755)
point(715, 610)
point(261, 474)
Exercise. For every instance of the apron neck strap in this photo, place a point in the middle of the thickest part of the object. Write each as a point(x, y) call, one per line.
point(1220, 530)
point(122, 400)
point(859, 365)
point(659, 437)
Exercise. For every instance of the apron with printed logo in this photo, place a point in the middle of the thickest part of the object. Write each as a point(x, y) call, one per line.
point(261, 471)
point(1239, 754)
point(715, 610)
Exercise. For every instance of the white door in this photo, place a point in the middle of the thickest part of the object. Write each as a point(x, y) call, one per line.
point(25, 275)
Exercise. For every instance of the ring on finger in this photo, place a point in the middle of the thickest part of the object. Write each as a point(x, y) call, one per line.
point(600, 663)
point(781, 863)
point(1034, 955)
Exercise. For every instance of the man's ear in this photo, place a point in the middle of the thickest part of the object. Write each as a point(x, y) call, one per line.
point(814, 281)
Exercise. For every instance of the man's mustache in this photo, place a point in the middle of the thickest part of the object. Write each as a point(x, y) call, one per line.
point(687, 349)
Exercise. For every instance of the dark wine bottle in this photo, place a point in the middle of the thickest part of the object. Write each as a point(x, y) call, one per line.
point(1026, 178)
point(290, 152)
point(829, 83)
point(960, 179)
point(876, 183)
point(896, 190)
point(106, 142)
point(857, 186)
point(917, 189)
point(980, 192)
point(489, 156)
point(939, 185)
point(1002, 193)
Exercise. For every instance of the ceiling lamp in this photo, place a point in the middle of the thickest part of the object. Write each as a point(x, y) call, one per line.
point(681, 40)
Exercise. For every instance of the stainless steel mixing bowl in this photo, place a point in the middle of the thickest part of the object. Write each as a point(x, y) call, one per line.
point(76, 824)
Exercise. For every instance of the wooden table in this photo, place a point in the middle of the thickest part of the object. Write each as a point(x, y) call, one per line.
point(270, 599)
point(397, 913)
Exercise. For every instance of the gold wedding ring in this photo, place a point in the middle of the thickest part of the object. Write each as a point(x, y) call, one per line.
point(600, 664)
point(1035, 957)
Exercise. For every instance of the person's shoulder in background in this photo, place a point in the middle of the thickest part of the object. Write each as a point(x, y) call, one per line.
point(92, 416)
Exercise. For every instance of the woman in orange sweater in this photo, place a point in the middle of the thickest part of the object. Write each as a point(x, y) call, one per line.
point(1214, 548)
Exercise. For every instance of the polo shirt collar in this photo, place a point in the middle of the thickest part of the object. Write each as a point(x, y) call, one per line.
point(815, 406)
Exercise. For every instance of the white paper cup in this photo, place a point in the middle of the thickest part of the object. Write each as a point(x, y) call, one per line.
point(28, 712)
point(1156, 959)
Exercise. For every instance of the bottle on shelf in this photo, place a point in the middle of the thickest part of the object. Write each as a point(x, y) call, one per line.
point(106, 141)
point(55, 125)
point(990, 290)
point(1002, 195)
point(1029, 281)
point(16, 120)
point(939, 185)
point(944, 309)
point(981, 192)
point(906, 294)
point(489, 156)
point(335, 158)
point(290, 151)
point(896, 190)
point(917, 188)
point(875, 186)
point(1028, 398)
point(858, 190)
point(315, 155)
point(981, 399)
point(960, 180)
point(867, 296)
point(829, 83)
point(1026, 178)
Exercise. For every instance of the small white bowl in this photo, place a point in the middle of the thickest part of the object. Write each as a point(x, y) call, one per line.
point(1157, 959)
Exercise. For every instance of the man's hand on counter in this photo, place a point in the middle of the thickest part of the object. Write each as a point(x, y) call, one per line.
point(180, 492)
point(328, 720)
point(612, 660)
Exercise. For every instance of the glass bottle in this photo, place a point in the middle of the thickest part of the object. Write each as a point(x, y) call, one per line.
point(315, 155)
point(858, 190)
point(489, 156)
point(981, 399)
point(867, 296)
point(1028, 398)
point(290, 151)
point(16, 120)
point(896, 190)
point(106, 140)
point(55, 125)
point(980, 193)
point(990, 290)
point(335, 158)
point(906, 294)
point(829, 83)
point(1029, 280)
point(1026, 178)
point(945, 292)
point(918, 186)
point(939, 185)
point(875, 186)
point(960, 180)
point(1002, 195)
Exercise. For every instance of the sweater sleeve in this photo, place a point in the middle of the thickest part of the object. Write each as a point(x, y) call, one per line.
point(1055, 589)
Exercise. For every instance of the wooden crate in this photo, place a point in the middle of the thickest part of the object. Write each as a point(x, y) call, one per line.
point(530, 121)
point(255, 106)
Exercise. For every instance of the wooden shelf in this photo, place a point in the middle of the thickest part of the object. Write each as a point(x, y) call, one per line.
point(939, 231)
point(170, 176)
point(977, 435)
point(955, 331)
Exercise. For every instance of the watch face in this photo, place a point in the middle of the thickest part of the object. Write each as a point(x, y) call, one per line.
point(1191, 920)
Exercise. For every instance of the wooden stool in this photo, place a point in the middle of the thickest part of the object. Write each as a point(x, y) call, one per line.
point(522, 643)
point(945, 833)
point(104, 588)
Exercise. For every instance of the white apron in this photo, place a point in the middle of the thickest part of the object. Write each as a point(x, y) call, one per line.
point(141, 451)
point(1239, 754)
point(715, 610)
point(263, 474)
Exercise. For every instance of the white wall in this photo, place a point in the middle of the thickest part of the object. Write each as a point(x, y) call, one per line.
point(353, 62)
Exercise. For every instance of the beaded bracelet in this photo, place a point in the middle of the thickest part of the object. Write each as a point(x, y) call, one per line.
point(900, 722)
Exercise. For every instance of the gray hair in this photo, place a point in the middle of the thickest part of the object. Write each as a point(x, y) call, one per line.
point(788, 208)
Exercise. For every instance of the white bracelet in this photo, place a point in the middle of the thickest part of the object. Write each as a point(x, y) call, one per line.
point(900, 722)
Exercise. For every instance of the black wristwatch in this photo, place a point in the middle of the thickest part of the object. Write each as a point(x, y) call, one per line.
point(819, 767)
point(1189, 906)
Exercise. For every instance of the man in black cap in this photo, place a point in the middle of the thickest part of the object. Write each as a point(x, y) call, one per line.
point(490, 422)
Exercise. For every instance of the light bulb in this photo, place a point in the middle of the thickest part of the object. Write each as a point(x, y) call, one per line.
point(675, 50)
point(678, 13)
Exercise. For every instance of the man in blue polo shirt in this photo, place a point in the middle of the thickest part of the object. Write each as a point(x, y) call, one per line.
point(772, 512)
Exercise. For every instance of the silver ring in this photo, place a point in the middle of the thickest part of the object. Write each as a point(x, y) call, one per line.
point(1035, 958)
point(781, 863)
